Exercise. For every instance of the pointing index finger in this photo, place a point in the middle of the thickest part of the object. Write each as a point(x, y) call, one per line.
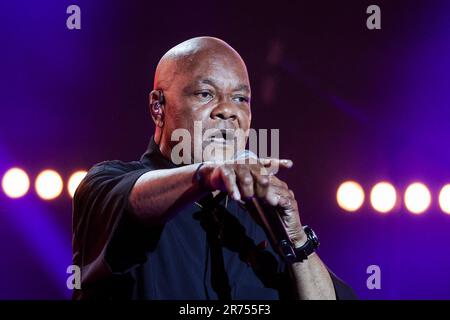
point(272, 164)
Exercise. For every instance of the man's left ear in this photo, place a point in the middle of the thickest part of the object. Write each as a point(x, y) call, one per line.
point(156, 101)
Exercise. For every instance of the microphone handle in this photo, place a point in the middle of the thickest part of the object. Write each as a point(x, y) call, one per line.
point(274, 228)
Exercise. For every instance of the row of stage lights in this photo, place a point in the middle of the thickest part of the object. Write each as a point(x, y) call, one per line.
point(384, 197)
point(48, 184)
point(350, 195)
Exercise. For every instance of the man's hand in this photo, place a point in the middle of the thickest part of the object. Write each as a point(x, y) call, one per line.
point(243, 181)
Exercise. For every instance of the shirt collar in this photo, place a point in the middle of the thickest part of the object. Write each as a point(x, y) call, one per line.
point(154, 158)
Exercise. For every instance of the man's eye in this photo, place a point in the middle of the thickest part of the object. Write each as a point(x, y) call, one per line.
point(242, 99)
point(204, 95)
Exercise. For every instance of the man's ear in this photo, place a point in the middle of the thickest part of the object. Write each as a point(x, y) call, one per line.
point(156, 102)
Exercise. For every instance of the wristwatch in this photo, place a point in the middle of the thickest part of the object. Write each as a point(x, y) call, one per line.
point(303, 252)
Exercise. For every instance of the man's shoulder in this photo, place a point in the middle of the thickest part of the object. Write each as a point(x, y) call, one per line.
point(116, 166)
point(106, 171)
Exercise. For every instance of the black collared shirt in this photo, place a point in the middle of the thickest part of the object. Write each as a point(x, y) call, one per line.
point(210, 250)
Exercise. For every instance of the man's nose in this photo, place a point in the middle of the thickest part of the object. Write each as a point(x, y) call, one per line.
point(224, 111)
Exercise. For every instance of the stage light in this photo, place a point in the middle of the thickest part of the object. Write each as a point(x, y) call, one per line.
point(444, 199)
point(48, 184)
point(74, 181)
point(417, 198)
point(350, 196)
point(383, 197)
point(15, 183)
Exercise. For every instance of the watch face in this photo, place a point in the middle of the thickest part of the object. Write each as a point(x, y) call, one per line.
point(312, 236)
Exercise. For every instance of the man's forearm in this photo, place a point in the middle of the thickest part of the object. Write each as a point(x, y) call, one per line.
point(158, 194)
point(312, 280)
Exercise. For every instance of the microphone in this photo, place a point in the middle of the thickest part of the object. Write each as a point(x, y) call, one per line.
point(270, 219)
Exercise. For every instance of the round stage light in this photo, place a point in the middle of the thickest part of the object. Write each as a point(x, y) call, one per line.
point(417, 198)
point(48, 184)
point(15, 183)
point(350, 196)
point(383, 197)
point(444, 199)
point(74, 181)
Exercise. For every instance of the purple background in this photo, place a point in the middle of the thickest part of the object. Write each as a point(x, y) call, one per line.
point(350, 104)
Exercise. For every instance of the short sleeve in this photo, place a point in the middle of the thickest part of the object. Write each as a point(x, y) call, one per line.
point(106, 238)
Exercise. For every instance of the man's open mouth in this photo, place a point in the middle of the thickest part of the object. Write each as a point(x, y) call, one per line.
point(221, 136)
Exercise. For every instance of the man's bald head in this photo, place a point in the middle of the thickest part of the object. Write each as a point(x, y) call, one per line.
point(186, 55)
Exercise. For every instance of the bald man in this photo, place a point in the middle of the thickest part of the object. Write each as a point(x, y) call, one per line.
point(160, 229)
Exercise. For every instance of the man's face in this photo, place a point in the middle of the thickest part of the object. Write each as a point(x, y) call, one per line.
point(212, 90)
